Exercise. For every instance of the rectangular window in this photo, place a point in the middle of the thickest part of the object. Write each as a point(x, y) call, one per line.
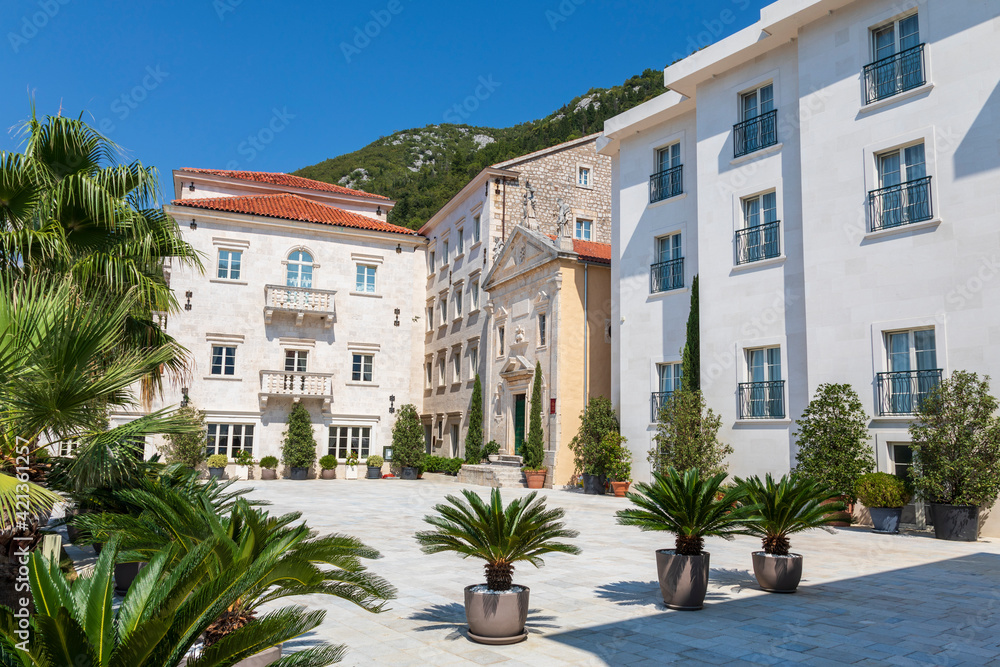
point(474, 295)
point(913, 371)
point(476, 228)
point(444, 310)
point(456, 359)
point(430, 374)
point(458, 302)
point(898, 63)
point(444, 253)
point(757, 102)
point(473, 362)
point(295, 361)
point(366, 279)
point(229, 439)
point(460, 241)
point(542, 333)
point(758, 127)
point(362, 367)
point(763, 395)
point(347, 439)
point(229, 264)
point(760, 237)
point(668, 381)
point(430, 317)
point(68, 447)
point(583, 177)
point(431, 262)
point(500, 341)
point(668, 157)
point(903, 196)
point(454, 440)
point(223, 360)
point(584, 229)
point(902, 461)
point(442, 369)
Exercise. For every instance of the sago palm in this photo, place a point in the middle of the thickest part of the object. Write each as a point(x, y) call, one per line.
point(523, 531)
point(791, 505)
point(686, 505)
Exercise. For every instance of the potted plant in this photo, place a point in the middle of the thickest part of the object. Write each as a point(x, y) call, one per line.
point(269, 467)
point(328, 466)
point(501, 536)
point(885, 496)
point(299, 449)
point(620, 470)
point(352, 465)
point(217, 465)
point(956, 454)
point(597, 419)
point(778, 509)
point(408, 442)
point(244, 459)
point(685, 504)
point(374, 463)
point(534, 449)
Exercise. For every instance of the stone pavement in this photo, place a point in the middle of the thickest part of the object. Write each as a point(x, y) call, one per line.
point(864, 599)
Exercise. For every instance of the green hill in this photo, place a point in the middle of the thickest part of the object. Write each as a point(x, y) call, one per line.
point(423, 168)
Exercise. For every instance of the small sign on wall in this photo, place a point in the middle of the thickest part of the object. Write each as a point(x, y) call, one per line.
point(552, 406)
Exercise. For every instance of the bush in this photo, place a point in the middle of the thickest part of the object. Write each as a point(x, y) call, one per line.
point(620, 457)
point(687, 436)
point(217, 461)
point(833, 439)
point(299, 448)
point(243, 458)
point(328, 462)
point(534, 447)
point(187, 449)
point(492, 448)
point(474, 437)
point(269, 463)
point(374, 461)
point(956, 443)
point(880, 489)
point(441, 464)
point(596, 420)
point(352, 458)
point(407, 438)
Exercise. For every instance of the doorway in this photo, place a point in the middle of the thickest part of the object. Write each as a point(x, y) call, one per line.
point(519, 404)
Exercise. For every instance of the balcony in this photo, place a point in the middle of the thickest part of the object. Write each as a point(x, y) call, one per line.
point(296, 386)
point(902, 392)
point(762, 400)
point(301, 301)
point(666, 184)
point(894, 74)
point(756, 133)
point(758, 242)
point(657, 400)
point(902, 204)
point(665, 276)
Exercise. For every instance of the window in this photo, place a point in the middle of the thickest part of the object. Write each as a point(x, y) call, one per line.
point(430, 317)
point(347, 439)
point(500, 333)
point(584, 229)
point(431, 260)
point(913, 371)
point(444, 310)
point(902, 461)
point(474, 295)
point(668, 381)
point(456, 360)
point(444, 253)
point(441, 371)
point(476, 228)
point(759, 239)
point(229, 264)
point(667, 272)
point(229, 439)
point(458, 302)
point(542, 333)
point(361, 367)
point(454, 440)
point(295, 361)
point(757, 128)
point(440, 430)
point(904, 195)
point(299, 270)
point(68, 447)
point(473, 362)
point(762, 397)
point(898, 60)
point(366, 279)
point(583, 177)
point(460, 241)
point(666, 179)
point(223, 360)
point(430, 374)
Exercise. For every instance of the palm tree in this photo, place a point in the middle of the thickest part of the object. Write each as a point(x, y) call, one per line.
point(793, 504)
point(522, 532)
point(685, 504)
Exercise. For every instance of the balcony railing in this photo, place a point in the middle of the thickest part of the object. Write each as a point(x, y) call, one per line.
point(657, 400)
point(762, 400)
point(301, 301)
point(756, 133)
point(894, 74)
point(296, 386)
point(902, 392)
point(759, 242)
point(666, 184)
point(664, 276)
point(902, 204)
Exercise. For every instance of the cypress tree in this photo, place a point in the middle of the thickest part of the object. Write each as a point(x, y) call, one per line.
point(474, 438)
point(691, 356)
point(299, 449)
point(534, 449)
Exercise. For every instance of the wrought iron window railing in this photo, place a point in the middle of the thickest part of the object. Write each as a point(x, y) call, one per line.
point(894, 74)
point(762, 400)
point(902, 204)
point(758, 242)
point(657, 400)
point(902, 392)
point(755, 133)
point(666, 184)
point(664, 276)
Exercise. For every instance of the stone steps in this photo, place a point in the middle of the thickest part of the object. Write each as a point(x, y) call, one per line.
point(491, 475)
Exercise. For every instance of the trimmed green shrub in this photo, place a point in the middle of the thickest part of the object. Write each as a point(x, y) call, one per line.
point(492, 448)
point(880, 489)
point(374, 461)
point(269, 463)
point(299, 448)
point(596, 420)
point(691, 354)
point(620, 468)
point(474, 437)
point(407, 438)
point(328, 462)
point(442, 464)
point(534, 447)
point(217, 461)
point(687, 436)
point(187, 449)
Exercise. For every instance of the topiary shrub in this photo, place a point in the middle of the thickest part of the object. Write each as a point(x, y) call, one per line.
point(687, 436)
point(534, 447)
point(407, 438)
point(596, 420)
point(217, 461)
point(374, 461)
point(299, 448)
point(880, 489)
point(187, 449)
point(328, 462)
point(269, 463)
point(474, 436)
point(492, 448)
point(620, 457)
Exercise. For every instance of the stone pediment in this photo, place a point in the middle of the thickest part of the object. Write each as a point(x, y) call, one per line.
point(516, 366)
point(524, 251)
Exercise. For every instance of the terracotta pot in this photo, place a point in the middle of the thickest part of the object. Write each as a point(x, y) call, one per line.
point(374, 472)
point(267, 473)
point(885, 519)
point(777, 574)
point(535, 478)
point(843, 519)
point(299, 473)
point(958, 523)
point(496, 618)
point(620, 488)
point(125, 574)
point(328, 474)
point(262, 659)
point(683, 579)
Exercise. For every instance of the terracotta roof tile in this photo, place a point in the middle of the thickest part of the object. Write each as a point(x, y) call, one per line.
point(591, 251)
point(293, 207)
point(286, 180)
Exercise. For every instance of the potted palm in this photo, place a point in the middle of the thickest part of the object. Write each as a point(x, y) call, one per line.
point(885, 496)
point(299, 449)
point(328, 466)
point(685, 504)
point(269, 467)
point(352, 465)
point(523, 531)
point(374, 464)
point(217, 465)
point(793, 504)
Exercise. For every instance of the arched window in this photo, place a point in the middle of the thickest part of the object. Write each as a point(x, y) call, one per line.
point(300, 269)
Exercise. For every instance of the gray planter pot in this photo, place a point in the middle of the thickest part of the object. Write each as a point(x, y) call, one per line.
point(267, 473)
point(125, 574)
point(958, 523)
point(408, 473)
point(683, 579)
point(216, 473)
point(593, 484)
point(777, 574)
point(496, 618)
point(374, 472)
point(329, 474)
point(885, 519)
point(299, 473)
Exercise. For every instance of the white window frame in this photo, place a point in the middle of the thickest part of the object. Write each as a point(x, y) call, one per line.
point(457, 298)
point(430, 315)
point(443, 309)
point(474, 294)
point(456, 365)
point(367, 364)
point(348, 434)
point(579, 224)
point(229, 272)
point(542, 329)
point(228, 359)
point(297, 356)
point(459, 242)
point(473, 360)
point(445, 247)
point(585, 176)
point(501, 334)
point(442, 370)
point(361, 283)
point(477, 228)
point(214, 434)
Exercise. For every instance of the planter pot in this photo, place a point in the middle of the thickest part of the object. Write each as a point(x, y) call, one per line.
point(885, 519)
point(496, 618)
point(593, 484)
point(408, 473)
point(328, 474)
point(262, 659)
point(842, 519)
point(268, 474)
point(216, 473)
point(374, 472)
point(535, 478)
point(125, 574)
point(299, 473)
point(958, 523)
point(777, 574)
point(683, 579)
point(352, 472)
point(620, 488)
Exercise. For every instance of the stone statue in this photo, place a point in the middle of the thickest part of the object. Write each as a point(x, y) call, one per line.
point(563, 220)
point(497, 247)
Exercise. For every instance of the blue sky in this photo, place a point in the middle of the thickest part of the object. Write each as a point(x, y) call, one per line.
point(274, 86)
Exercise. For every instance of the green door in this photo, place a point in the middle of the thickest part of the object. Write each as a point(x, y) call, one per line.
point(519, 402)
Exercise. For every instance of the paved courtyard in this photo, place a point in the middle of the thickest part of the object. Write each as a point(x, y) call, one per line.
point(864, 599)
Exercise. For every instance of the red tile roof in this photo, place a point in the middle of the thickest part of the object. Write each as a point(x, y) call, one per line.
point(286, 180)
point(591, 251)
point(293, 207)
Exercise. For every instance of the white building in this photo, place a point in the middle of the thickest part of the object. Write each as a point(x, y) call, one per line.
point(831, 173)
